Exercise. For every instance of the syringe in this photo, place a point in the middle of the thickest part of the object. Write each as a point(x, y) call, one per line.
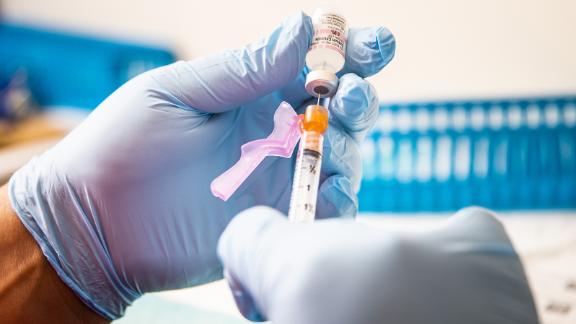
point(325, 57)
point(308, 163)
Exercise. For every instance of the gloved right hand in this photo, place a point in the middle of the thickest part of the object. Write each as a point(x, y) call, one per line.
point(340, 272)
point(122, 205)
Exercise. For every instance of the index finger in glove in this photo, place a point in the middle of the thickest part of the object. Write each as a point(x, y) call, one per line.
point(224, 81)
point(354, 110)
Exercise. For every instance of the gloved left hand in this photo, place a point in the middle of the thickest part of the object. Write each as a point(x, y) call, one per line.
point(122, 205)
point(337, 271)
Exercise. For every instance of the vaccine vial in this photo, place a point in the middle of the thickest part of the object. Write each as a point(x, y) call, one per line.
point(327, 52)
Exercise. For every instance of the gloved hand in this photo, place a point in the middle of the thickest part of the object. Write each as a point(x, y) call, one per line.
point(339, 272)
point(122, 205)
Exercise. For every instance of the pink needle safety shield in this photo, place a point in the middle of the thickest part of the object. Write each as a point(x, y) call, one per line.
point(281, 142)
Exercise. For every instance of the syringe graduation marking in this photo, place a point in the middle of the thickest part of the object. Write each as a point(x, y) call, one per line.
point(309, 160)
point(325, 57)
point(313, 153)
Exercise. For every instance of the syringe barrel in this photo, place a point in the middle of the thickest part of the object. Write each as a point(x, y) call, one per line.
point(308, 163)
point(306, 178)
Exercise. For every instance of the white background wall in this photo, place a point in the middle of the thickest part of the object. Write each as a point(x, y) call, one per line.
point(446, 48)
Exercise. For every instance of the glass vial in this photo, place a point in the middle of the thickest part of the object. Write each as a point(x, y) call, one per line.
point(327, 52)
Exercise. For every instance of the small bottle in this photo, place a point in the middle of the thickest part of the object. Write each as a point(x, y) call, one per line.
point(327, 53)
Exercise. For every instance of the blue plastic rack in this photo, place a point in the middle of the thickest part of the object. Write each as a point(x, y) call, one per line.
point(67, 69)
point(500, 154)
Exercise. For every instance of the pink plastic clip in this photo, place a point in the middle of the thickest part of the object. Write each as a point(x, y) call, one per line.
point(281, 142)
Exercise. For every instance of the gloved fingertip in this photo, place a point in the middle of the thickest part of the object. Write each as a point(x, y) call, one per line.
point(243, 299)
point(301, 25)
point(337, 198)
point(238, 248)
point(386, 45)
point(357, 94)
point(246, 227)
point(287, 46)
point(478, 216)
point(355, 104)
point(369, 50)
point(481, 225)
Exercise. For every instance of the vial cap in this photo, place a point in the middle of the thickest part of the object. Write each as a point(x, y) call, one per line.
point(321, 83)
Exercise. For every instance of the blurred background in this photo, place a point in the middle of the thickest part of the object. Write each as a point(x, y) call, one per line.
point(478, 107)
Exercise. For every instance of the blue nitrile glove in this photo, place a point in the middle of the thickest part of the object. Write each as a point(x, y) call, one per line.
point(123, 206)
point(340, 272)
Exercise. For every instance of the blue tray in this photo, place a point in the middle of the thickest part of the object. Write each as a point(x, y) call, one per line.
point(500, 154)
point(65, 69)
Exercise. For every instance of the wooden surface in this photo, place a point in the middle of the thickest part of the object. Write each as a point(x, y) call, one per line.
point(20, 143)
point(33, 129)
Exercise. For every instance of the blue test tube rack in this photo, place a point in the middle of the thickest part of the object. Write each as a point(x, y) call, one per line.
point(504, 154)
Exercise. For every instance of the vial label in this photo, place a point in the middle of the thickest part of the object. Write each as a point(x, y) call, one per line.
point(329, 32)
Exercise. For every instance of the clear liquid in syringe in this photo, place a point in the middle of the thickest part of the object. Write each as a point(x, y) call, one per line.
point(305, 187)
point(308, 163)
